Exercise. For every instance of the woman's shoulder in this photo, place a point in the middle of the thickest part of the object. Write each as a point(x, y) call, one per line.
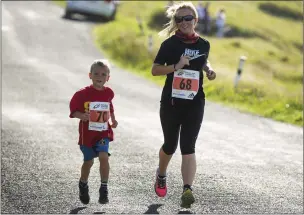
point(169, 41)
point(203, 41)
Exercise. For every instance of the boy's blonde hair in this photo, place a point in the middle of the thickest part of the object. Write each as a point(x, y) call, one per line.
point(100, 63)
point(171, 12)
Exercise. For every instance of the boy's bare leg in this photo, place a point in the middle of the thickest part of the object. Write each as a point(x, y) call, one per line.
point(85, 170)
point(83, 183)
point(104, 176)
point(104, 166)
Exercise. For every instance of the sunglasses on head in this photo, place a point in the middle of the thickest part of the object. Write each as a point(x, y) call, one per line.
point(188, 18)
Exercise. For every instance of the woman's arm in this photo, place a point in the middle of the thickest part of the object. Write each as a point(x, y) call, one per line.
point(158, 69)
point(207, 66)
point(211, 75)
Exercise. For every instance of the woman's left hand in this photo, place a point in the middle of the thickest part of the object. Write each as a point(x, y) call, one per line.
point(211, 75)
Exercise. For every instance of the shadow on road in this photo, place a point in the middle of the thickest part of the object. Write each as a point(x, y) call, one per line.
point(152, 209)
point(76, 210)
point(184, 212)
point(99, 212)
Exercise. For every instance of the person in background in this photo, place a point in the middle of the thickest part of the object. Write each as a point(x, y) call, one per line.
point(207, 19)
point(220, 23)
point(201, 15)
point(170, 3)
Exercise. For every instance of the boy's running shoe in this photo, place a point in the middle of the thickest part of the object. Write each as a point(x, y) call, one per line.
point(103, 195)
point(84, 193)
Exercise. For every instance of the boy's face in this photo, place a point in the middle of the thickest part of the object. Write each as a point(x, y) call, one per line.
point(99, 76)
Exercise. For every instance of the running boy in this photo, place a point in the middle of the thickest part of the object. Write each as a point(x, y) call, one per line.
point(93, 106)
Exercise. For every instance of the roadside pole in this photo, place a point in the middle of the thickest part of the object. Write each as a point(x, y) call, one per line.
point(239, 70)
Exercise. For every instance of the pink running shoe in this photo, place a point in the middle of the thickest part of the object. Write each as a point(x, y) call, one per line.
point(160, 186)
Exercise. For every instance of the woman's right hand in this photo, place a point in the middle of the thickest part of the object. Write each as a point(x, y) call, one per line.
point(184, 60)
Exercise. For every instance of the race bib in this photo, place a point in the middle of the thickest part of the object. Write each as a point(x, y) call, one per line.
point(185, 84)
point(99, 116)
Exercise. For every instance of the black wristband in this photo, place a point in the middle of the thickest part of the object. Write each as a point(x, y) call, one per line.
point(174, 67)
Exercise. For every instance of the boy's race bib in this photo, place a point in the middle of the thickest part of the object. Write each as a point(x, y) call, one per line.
point(99, 116)
point(185, 84)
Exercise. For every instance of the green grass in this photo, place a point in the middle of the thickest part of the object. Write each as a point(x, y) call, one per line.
point(60, 3)
point(272, 80)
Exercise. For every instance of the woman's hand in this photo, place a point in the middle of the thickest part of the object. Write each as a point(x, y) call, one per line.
point(211, 75)
point(184, 60)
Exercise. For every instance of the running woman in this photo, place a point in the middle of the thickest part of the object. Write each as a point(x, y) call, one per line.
point(182, 57)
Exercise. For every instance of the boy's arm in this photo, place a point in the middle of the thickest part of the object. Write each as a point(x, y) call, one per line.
point(114, 122)
point(77, 107)
point(81, 116)
point(113, 117)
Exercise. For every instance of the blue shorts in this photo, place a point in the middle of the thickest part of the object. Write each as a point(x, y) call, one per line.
point(89, 153)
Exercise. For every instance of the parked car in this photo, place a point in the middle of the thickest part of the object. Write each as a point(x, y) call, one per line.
point(104, 9)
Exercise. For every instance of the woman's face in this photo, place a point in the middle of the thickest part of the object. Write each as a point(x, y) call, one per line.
point(185, 20)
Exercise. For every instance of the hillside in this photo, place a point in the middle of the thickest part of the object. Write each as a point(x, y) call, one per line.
point(268, 33)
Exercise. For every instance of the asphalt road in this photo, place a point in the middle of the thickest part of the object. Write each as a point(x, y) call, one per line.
point(246, 164)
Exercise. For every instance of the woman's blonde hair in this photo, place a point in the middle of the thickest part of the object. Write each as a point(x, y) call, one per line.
point(171, 12)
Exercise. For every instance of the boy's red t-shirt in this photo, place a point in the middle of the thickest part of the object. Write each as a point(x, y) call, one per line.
point(80, 102)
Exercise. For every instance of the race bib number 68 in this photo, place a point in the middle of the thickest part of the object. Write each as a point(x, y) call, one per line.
point(185, 84)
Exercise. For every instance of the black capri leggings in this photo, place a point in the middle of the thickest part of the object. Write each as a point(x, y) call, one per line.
point(184, 121)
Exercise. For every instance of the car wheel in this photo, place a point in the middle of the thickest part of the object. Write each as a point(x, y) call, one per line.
point(113, 16)
point(68, 14)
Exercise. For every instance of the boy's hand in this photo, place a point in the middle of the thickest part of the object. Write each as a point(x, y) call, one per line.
point(85, 116)
point(114, 123)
